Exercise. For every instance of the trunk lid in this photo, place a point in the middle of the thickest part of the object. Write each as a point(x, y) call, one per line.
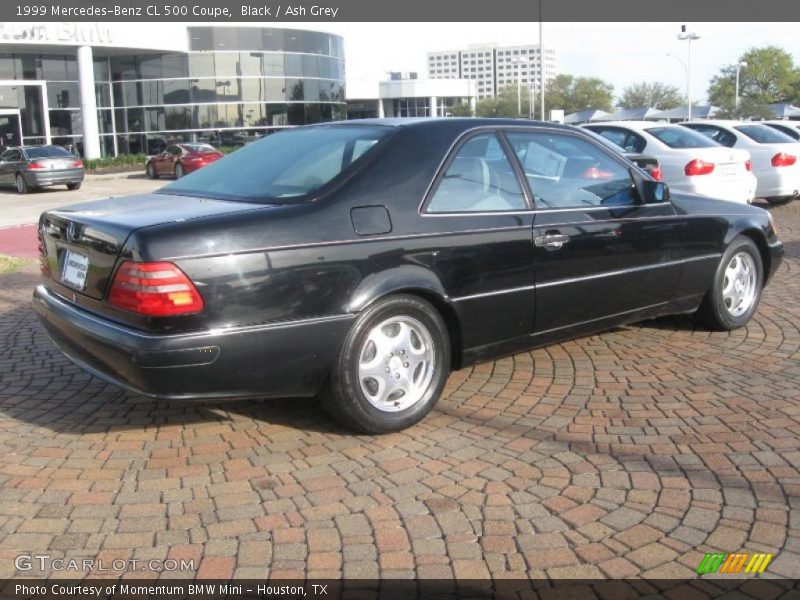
point(82, 242)
point(54, 164)
point(729, 162)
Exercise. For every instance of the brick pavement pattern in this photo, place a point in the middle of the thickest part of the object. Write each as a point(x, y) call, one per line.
point(623, 454)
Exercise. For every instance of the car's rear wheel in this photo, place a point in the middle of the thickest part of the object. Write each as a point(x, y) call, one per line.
point(179, 171)
point(151, 171)
point(22, 185)
point(392, 367)
point(736, 291)
point(74, 186)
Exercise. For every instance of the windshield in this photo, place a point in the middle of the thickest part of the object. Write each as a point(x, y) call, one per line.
point(47, 152)
point(680, 137)
point(282, 166)
point(764, 135)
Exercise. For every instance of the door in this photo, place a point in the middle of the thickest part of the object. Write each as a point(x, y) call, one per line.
point(8, 166)
point(599, 252)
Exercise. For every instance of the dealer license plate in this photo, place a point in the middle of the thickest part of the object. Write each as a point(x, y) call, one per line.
point(76, 266)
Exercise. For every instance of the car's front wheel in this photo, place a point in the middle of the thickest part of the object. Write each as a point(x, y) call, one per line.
point(151, 171)
point(734, 295)
point(179, 171)
point(392, 367)
point(22, 185)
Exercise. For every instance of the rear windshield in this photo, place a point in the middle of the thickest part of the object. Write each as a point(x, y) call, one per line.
point(282, 166)
point(680, 137)
point(763, 134)
point(199, 148)
point(790, 131)
point(47, 152)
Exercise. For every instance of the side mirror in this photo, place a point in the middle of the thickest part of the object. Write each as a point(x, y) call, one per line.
point(654, 192)
point(649, 191)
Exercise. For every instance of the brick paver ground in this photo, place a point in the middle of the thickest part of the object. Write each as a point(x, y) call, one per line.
point(622, 454)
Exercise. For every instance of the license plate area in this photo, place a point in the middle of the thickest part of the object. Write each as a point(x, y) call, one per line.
point(75, 269)
point(729, 169)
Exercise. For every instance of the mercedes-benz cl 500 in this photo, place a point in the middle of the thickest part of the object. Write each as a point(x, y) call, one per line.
point(363, 261)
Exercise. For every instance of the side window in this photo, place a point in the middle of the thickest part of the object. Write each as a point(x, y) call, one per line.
point(718, 135)
point(615, 136)
point(634, 143)
point(479, 179)
point(565, 171)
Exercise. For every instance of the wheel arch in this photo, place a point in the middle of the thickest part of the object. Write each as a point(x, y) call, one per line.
point(756, 234)
point(415, 281)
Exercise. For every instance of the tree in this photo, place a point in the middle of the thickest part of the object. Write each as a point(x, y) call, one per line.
point(504, 104)
point(769, 76)
point(461, 110)
point(573, 94)
point(654, 95)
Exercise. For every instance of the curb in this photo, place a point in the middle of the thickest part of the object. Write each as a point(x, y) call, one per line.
point(123, 175)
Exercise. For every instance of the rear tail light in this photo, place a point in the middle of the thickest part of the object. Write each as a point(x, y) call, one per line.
point(156, 289)
point(748, 165)
point(596, 173)
point(781, 159)
point(698, 167)
point(34, 166)
point(656, 173)
point(77, 164)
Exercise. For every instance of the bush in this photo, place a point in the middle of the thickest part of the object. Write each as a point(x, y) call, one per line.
point(124, 160)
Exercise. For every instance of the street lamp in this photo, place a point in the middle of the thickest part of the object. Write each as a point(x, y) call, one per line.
point(518, 60)
point(688, 36)
point(739, 65)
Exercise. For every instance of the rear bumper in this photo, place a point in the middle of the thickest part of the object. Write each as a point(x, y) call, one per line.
point(273, 360)
point(45, 178)
point(735, 189)
point(778, 183)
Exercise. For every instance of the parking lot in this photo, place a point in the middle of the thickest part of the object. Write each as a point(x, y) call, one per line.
point(630, 453)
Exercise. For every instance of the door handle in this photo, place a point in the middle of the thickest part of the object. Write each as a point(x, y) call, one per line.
point(551, 241)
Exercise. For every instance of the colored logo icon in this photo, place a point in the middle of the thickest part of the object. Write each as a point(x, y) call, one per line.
point(719, 562)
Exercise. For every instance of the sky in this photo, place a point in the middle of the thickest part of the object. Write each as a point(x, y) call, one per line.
point(620, 53)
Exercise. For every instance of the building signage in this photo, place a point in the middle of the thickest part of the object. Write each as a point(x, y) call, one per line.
point(57, 33)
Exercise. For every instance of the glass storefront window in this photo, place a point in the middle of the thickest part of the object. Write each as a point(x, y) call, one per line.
point(102, 94)
point(65, 122)
point(176, 91)
point(63, 94)
point(201, 65)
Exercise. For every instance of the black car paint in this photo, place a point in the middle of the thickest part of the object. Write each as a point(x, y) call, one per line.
point(283, 283)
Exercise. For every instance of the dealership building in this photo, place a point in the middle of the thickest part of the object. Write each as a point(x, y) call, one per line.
point(109, 89)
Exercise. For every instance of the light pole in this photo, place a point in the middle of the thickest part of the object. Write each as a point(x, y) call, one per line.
point(689, 36)
point(541, 61)
point(518, 60)
point(739, 65)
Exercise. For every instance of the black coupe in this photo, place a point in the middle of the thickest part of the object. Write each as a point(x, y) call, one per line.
point(363, 261)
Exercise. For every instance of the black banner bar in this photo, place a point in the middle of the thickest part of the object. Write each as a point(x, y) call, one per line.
point(309, 11)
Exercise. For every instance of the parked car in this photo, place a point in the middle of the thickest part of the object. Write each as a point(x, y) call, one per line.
point(773, 155)
point(790, 128)
point(31, 167)
point(364, 260)
point(689, 162)
point(179, 159)
point(648, 164)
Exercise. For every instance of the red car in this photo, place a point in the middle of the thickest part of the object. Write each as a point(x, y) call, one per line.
point(180, 159)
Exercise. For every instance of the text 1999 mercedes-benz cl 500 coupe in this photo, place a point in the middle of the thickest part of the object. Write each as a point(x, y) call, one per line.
point(362, 261)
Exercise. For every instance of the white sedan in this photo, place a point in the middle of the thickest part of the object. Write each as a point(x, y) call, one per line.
point(690, 162)
point(774, 155)
point(790, 128)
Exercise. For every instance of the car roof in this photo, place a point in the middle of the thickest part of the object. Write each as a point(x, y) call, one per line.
point(463, 123)
point(638, 125)
point(721, 122)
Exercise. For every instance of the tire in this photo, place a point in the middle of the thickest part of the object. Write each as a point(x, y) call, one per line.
point(22, 185)
point(780, 200)
point(179, 171)
point(403, 326)
point(74, 186)
point(736, 290)
point(151, 171)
